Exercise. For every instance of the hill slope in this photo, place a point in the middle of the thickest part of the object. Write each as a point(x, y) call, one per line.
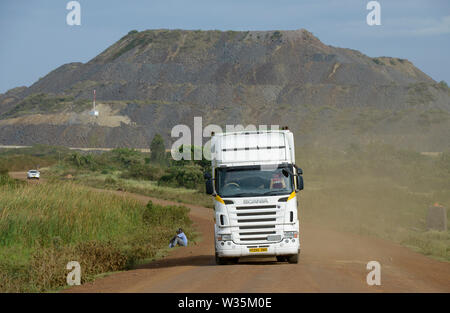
point(149, 81)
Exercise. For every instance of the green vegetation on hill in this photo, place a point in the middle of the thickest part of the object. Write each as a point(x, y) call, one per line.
point(42, 103)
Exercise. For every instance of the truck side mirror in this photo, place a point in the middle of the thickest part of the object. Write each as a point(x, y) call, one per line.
point(299, 170)
point(300, 182)
point(208, 183)
point(209, 187)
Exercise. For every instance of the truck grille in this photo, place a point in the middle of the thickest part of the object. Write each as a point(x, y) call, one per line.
point(255, 223)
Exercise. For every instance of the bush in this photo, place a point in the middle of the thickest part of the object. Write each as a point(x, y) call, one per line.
point(110, 181)
point(377, 61)
point(80, 160)
point(204, 163)
point(442, 84)
point(143, 171)
point(127, 157)
point(190, 176)
point(158, 150)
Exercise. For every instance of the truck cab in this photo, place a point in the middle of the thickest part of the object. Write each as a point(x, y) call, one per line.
point(254, 181)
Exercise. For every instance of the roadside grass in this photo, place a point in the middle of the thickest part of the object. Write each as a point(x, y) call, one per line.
point(113, 180)
point(376, 207)
point(24, 159)
point(385, 194)
point(44, 226)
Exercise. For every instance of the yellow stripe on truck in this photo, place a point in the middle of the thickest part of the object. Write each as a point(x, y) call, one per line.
point(219, 199)
point(291, 196)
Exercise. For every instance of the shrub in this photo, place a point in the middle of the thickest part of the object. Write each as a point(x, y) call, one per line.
point(443, 85)
point(276, 35)
point(377, 61)
point(204, 163)
point(126, 157)
point(187, 176)
point(110, 181)
point(158, 150)
point(80, 160)
point(143, 171)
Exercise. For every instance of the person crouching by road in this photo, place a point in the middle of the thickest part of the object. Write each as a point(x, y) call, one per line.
point(179, 239)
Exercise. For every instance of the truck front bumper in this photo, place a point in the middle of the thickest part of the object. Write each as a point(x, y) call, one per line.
point(284, 247)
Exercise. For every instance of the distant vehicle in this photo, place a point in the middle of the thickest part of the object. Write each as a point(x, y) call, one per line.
point(33, 174)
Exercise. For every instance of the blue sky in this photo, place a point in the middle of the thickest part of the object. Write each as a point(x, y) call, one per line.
point(35, 38)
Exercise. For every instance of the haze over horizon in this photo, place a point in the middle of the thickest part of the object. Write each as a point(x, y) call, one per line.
point(39, 40)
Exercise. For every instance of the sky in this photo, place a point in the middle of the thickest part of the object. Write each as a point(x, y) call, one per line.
point(35, 37)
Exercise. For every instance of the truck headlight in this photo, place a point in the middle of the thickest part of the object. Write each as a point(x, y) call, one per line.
point(223, 237)
point(290, 234)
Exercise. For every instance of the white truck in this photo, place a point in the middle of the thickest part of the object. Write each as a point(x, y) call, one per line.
point(255, 182)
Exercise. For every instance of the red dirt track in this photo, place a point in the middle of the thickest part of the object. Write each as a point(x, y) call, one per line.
point(330, 261)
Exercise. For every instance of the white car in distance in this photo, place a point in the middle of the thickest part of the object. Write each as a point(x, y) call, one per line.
point(33, 174)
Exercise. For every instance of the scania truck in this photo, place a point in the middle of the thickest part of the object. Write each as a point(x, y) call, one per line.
point(255, 184)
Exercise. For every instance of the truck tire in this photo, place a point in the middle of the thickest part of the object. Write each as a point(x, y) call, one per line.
point(293, 259)
point(281, 258)
point(225, 261)
point(233, 260)
point(220, 261)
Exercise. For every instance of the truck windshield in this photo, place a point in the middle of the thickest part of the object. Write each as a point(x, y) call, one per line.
point(253, 181)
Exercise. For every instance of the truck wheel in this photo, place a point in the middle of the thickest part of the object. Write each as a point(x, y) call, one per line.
point(281, 258)
point(220, 261)
point(233, 260)
point(293, 259)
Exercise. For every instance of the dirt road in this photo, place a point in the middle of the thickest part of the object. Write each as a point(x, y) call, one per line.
point(330, 261)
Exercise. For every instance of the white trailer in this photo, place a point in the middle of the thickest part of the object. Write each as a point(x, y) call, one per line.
point(255, 182)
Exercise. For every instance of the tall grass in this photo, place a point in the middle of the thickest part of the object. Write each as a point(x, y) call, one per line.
point(377, 190)
point(113, 180)
point(44, 226)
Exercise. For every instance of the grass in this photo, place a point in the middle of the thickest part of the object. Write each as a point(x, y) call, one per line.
point(114, 181)
point(377, 191)
point(43, 103)
point(44, 226)
point(24, 159)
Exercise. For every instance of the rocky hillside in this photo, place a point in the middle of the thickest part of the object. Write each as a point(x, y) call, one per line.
point(149, 81)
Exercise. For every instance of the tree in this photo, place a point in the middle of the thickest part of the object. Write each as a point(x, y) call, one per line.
point(157, 149)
